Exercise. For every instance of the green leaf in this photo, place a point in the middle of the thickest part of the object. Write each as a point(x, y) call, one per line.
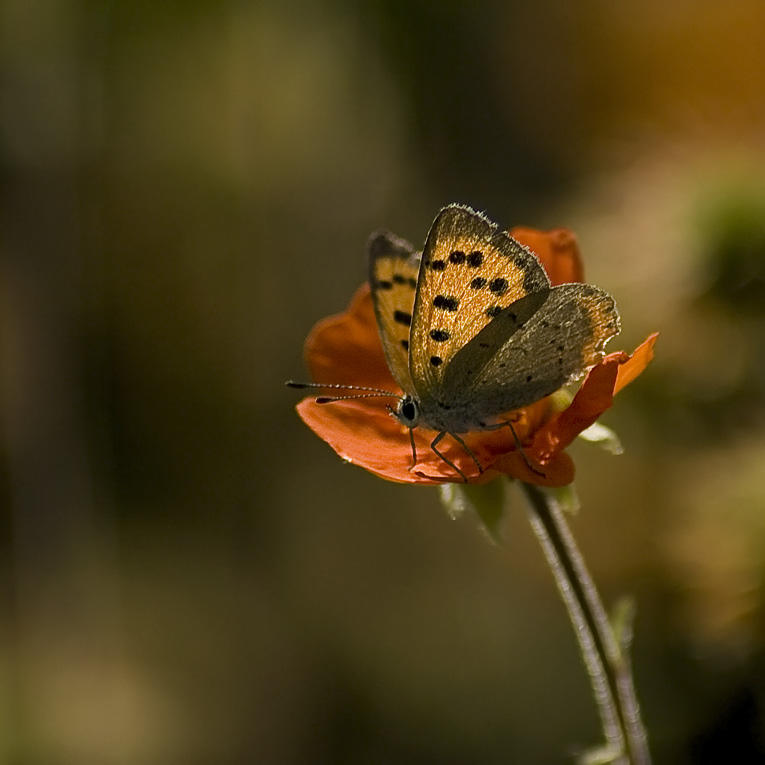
point(622, 619)
point(487, 500)
point(599, 755)
point(603, 437)
point(565, 497)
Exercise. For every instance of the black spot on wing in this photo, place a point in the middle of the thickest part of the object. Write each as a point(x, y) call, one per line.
point(475, 259)
point(478, 283)
point(480, 349)
point(407, 280)
point(402, 317)
point(439, 335)
point(457, 257)
point(446, 303)
point(499, 286)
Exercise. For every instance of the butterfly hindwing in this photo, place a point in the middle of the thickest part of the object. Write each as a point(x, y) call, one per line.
point(532, 349)
point(393, 270)
point(470, 272)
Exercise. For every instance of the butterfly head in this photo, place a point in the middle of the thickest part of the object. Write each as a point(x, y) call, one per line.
point(407, 412)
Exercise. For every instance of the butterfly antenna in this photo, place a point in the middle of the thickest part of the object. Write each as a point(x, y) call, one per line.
point(365, 392)
point(353, 397)
point(335, 386)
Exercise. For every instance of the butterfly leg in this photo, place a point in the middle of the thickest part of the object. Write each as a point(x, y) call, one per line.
point(436, 440)
point(411, 440)
point(518, 444)
point(469, 451)
point(521, 450)
point(414, 449)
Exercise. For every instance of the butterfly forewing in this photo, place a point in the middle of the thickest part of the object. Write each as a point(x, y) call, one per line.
point(562, 333)
point(470, 272)
point(393, 270)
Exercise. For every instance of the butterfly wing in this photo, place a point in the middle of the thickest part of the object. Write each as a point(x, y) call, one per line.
point(470, 272)
point(393, 270)
point(531, 349)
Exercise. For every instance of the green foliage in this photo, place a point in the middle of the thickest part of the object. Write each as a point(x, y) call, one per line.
point(487, 500)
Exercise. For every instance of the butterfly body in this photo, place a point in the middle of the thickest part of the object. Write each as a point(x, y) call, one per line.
point(473, 329)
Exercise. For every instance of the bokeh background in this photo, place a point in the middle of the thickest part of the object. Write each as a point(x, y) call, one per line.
point(188, 574)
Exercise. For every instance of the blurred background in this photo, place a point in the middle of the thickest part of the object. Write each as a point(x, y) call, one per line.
point(188, 574)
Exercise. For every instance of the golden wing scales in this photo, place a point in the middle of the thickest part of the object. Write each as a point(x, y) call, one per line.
point(473, 329)
point(393, 271)
point(470, 271)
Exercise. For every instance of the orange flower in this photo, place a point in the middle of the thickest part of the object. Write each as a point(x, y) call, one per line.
point(347, 349)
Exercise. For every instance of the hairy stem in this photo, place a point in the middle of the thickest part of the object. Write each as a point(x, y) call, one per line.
point(607, 663)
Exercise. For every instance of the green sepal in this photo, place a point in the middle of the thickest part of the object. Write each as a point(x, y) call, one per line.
point(487, 500)
point(604, 437)
point(565, 497)
point(599, 755)
point(622, 619)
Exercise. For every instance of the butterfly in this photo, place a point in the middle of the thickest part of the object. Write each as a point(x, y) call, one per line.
point(473, 330)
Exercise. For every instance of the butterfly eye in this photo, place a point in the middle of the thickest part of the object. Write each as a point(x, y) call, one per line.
point(408, 412)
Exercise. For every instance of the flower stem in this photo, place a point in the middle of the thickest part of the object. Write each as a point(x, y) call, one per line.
point(607, 663)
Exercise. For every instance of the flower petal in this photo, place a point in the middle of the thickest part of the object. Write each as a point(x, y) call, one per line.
point(558, 251)
point(363, 432)
point(557, 471)
point(346, 348)
point(639, 360)
point(367, 436)
point(594, 397)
